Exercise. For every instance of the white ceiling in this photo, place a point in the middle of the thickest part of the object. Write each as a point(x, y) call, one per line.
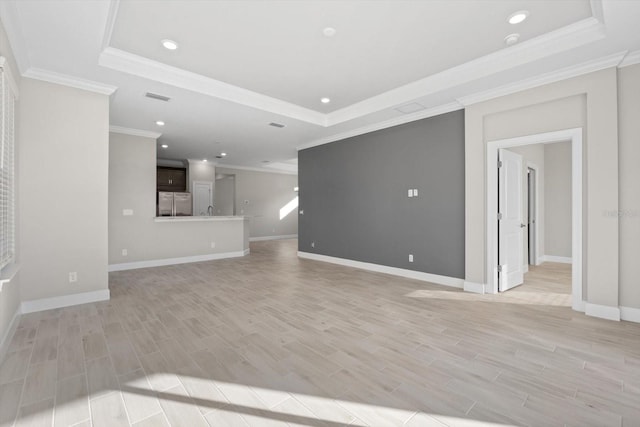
point(277, 48)
point(243, 64)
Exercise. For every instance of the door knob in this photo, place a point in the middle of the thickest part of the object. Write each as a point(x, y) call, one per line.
point(523, 225)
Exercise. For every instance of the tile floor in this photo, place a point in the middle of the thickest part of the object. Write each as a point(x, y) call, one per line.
point(270, 339)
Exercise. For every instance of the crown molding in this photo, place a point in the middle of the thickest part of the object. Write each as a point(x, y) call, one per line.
point(597, 11)
point(255, 169)
point(111, 22)
point(631, 58)
point(202, 162)
point(552, 77)
point(422, 114)
point(129, 63)
point(71, 81)
point(4, 64)
point(134, 132)
point(10, 18)
point(568, 37)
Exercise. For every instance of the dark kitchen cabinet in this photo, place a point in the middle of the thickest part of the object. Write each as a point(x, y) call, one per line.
point(171, 179)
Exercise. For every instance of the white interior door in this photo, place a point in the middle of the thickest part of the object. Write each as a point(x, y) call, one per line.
point(202, 197)
point(510, 223)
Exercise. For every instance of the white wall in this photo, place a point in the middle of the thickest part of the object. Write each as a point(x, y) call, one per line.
point(588, 101)
point(557, 195)
point(10, 295)
point(63, 179)
point(629, 173)
point(266, 193)
point(132, 185)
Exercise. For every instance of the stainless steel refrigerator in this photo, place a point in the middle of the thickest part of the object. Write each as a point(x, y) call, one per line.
point(174, 204)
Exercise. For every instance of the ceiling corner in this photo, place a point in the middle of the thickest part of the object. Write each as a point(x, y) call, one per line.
point(111, 22)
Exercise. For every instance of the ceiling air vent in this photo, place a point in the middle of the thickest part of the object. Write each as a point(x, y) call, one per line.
point(276, 125)
point(156, 96)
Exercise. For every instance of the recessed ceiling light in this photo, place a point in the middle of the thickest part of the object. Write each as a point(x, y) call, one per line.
point(164, 146)
point(512, 39)
point(325, 100)
point(518, 17)
point(169, 44)
point(204, 160)
point(223, 154)
point(329, 32)
point(160, 123)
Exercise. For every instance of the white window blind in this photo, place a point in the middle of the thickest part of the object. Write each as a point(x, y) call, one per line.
point(7, 181)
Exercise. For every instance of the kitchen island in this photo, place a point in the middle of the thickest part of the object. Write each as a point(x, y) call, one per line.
point(182, 239)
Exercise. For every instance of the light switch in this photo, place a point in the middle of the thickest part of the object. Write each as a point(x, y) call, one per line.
point(415, 192)
point(410, 194)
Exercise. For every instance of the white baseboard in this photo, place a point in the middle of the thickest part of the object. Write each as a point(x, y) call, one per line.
point(630, 314)
point(477, 288)
point(554, 258)
point(285, 236)
point(171, 261)
point(63, 301)
point(410, 274)
point(602, 311)
point(8, 335)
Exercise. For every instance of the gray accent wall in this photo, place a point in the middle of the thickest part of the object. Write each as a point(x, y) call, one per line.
point(354, 197)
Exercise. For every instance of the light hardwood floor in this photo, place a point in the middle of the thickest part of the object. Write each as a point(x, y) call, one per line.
point(270, 339)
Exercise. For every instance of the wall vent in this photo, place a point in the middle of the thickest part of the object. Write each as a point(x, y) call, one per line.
point(276, 125)
point(156, 96)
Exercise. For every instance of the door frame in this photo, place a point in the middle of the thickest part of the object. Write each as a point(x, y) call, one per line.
point(536, 197)
point(193, 194)
point(491, 224)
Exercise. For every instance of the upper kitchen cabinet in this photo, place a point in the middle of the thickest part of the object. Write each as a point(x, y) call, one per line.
point(171, 179)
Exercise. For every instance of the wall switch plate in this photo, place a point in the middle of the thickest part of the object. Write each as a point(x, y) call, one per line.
point(127, 212)
point(125, 252)
point(301, 211)
point(73, 277)
point(410, 257)
point(213, 245)
point(313, 244)
point(415, 192)
point(410, 193)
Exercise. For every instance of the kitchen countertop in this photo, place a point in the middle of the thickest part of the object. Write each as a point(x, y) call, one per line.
point(198, 218)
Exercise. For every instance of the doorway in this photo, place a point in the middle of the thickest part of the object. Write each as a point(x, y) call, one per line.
point(496, 244)
point(225, 198)
point(532, 214)
point(202, 198)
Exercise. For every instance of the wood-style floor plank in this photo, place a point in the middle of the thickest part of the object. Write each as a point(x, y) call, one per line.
point(271, 339)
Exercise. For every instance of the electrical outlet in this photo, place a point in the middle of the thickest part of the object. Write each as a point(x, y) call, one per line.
point(125, 252)
point(213, 245)
point(410, 193)
point(73, 277)
point(127, 212)
point(415, 192)
point(410, 257)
